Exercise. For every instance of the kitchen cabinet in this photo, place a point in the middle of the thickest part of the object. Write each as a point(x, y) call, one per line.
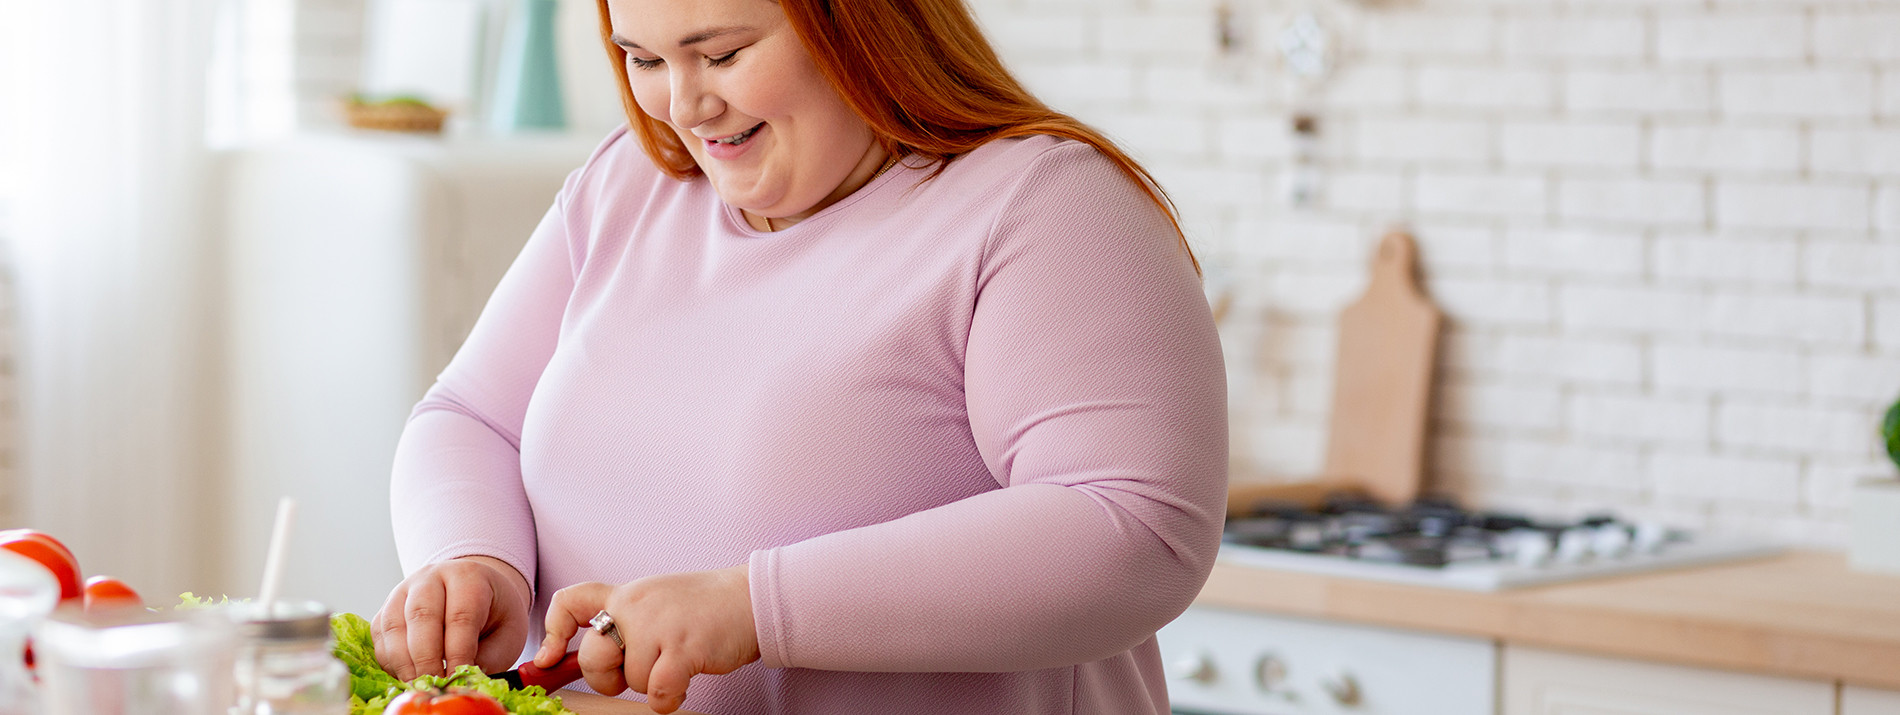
point(1546, 682)
point(358, 263)
point(1856, 700)
point(1232, 662)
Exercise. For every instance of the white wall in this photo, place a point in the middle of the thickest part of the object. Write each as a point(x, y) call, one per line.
point(1666, 233)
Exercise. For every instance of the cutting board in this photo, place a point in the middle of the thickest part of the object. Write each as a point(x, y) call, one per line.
point(1382, 379)
point(591, 704)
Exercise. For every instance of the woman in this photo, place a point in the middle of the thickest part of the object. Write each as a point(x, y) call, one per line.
point(860, 382)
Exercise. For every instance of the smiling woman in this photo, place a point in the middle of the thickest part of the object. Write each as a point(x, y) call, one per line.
point(746, 103)
point(850, 379)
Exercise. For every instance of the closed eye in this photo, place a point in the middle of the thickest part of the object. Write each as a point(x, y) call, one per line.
point(722, 60)
point(641, 64)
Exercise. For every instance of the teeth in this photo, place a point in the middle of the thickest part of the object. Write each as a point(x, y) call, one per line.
point(740, 137)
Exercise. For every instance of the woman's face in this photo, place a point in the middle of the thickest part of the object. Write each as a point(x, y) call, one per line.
point(735, 83)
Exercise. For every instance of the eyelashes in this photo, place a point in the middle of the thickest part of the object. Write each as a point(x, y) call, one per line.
point(645, 64)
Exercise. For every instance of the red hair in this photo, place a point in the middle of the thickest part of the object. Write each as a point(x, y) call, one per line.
point(919, 73)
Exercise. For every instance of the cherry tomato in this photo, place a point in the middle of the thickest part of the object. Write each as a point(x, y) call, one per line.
point(452, 702)
point(107, 593)
point(50, 553)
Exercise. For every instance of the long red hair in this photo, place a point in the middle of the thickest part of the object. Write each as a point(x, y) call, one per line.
point(919, 73)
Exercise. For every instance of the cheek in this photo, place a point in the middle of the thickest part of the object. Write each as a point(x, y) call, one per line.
point(653, 95)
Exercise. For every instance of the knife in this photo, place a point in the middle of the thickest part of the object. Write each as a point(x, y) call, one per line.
point(566, 671)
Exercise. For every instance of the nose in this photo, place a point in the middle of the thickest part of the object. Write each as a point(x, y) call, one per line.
point(691, 103)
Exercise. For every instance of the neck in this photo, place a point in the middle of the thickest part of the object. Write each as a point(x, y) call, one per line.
point(873, 164)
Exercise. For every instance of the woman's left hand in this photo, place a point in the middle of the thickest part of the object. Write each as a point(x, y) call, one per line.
point(675, 626)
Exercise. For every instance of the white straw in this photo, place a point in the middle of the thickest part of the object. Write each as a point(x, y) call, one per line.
point(274, 559)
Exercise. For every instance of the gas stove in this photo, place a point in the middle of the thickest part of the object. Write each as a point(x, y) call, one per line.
point(1436, 542)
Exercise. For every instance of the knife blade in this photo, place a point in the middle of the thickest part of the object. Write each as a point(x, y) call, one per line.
point(552, 678)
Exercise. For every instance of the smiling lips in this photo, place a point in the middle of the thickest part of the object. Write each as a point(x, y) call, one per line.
point(741, 137)
point(732, 147)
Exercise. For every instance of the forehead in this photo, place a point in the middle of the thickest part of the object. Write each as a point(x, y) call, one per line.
point(661, 24)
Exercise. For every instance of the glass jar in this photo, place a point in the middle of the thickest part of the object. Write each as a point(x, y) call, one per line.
point(285, 664)
point(134, 662)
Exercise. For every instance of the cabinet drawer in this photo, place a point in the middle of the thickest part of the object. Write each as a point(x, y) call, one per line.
point(1856, 700)
point(1239, 663)
point(1542, 682)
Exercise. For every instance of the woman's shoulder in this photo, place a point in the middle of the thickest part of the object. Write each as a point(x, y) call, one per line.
point(617, 170)
point(1012, 156)
point(1039, 170)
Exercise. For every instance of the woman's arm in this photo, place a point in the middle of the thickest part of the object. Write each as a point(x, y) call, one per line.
point(456, 488)
point(464, 529)
point(1096, 394)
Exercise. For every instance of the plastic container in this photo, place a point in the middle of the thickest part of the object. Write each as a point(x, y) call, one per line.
point(133, 662)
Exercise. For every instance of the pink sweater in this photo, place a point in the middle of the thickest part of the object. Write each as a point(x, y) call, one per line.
point(969, 433)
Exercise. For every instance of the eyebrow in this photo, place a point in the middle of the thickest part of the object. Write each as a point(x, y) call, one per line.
point(687, 41)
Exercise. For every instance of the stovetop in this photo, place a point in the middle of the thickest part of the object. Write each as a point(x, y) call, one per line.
point(1437, 542)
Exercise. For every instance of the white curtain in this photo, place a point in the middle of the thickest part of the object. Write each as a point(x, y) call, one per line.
point(117, 275)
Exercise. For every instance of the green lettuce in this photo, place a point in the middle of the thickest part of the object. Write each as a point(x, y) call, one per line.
point(371, 688)
point(188, 601)
point(369, 683)
point(531, 700)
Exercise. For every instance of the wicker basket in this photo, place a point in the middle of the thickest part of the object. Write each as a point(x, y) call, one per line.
point(394, 117)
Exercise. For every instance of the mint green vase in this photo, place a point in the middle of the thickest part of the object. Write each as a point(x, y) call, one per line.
point(528, 83)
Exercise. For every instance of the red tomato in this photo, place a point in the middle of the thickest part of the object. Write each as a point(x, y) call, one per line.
point(453, 702)
point(50, 553)
point(105, 593)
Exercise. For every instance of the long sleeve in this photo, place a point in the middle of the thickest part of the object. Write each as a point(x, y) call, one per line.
point(1096, 397)
point(456, 489)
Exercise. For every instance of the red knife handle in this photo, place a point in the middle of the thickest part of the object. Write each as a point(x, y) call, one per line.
point(566, 671)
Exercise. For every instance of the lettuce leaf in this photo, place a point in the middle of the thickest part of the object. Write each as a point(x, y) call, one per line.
point(189, 601)
point(354, 646)
point(531, 700)
point(371, 688)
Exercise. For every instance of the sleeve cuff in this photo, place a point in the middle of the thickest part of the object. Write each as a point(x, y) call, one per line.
point(522, 566)
point(762, 581)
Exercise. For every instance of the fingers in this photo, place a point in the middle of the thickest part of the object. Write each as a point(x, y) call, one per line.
point(601, 664)
point(666, 684)
point(424, 611)
point(499, 651)
point(570, 608)
point(462, 611)
point(469, 598)
point(391, 635)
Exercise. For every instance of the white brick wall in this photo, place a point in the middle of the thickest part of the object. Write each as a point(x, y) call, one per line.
point(1689, 259)
point(1799, 93)
point(1857, 34)
point(1665, 233)
point(1632, 92)
point(1733, 150)
point(1741, 36)
point(1538, 37)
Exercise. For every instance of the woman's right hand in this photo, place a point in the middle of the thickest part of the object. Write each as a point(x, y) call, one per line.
point(472, 609)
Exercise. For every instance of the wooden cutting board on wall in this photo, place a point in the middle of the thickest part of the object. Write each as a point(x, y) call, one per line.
point(1382, 379)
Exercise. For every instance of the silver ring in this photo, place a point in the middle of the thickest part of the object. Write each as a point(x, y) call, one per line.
point(604, 625)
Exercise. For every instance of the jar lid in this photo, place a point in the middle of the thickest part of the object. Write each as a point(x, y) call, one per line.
point(285, 621)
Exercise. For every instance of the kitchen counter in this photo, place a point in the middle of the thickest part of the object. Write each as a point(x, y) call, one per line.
point(1801, 614)
point(591, 704)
